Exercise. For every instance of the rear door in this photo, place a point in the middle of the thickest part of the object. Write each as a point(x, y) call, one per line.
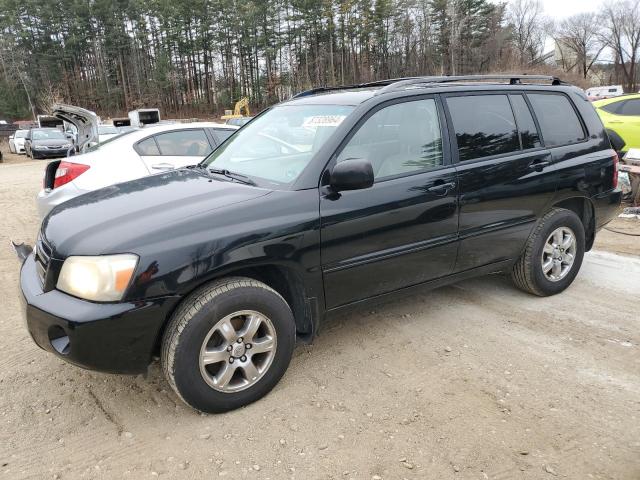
point(174, 149)
point(503, 176)
point(401, 231)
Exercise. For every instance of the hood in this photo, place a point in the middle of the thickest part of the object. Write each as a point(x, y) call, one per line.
point(85, 121)
point(51, 142)
point(122, 217)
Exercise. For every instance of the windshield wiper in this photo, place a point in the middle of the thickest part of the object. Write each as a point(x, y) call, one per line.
point(233, 175)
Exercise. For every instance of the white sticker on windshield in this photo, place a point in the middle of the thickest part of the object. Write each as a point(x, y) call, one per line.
point(323, 121)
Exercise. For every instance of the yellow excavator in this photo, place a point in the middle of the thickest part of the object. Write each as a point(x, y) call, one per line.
point(242, 104)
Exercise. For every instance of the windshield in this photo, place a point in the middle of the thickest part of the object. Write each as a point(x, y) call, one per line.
point(47, 135)
point(107, 130)
point(21, 133)
point(278, 145)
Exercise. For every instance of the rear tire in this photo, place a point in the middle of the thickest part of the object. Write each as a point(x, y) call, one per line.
point(553, 254)
point(228, 344)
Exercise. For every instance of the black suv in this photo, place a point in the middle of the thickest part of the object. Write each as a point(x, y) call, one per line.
point(332, 199)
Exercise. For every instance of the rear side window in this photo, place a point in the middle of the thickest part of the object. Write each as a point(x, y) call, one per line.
point(558, 120)
point(484, 126)
point(222, 134)
point(630, 107)
point(184, 143)
point(147, 147)
point(529, 137)
point(613, 107)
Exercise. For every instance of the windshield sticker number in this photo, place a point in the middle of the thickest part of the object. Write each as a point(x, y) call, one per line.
point(323, 121)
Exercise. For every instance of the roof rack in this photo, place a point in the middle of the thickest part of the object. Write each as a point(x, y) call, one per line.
point(393, 84)
point(377, 83)
point(510, 79)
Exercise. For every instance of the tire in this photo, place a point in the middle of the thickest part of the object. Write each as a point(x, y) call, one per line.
point(528, 273)
point(233, 305)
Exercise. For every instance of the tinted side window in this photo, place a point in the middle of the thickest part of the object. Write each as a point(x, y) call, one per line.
point(484, 125)
point(630, 107)
point(222, 134)
point(529, 137)
point(613, 107)
point(399, 139)
point(185, 143)
point(147, 147)
point(557, 118)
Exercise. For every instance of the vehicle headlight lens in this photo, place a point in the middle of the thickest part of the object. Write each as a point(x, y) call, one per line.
point(37, 147)
point(100, 278)
point(66, 145)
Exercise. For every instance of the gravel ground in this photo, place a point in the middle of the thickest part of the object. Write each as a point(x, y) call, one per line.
point(475, 380)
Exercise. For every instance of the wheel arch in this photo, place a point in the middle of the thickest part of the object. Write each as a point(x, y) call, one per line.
point(583, 208)
point(284, 280)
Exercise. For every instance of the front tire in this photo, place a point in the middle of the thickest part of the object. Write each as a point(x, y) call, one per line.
point(228, 344)
point(553, 254)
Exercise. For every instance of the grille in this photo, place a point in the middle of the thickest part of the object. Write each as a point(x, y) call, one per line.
point(43, 258)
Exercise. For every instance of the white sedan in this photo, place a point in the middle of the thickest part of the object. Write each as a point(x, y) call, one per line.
point(16, 141)
point(132, 155)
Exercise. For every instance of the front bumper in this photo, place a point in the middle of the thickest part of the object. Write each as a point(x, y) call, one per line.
point(49, 153)
point(107, 337)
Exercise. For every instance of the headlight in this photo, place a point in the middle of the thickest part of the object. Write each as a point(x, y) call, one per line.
point(66, 145)
point(38, 147)
point(101, 278)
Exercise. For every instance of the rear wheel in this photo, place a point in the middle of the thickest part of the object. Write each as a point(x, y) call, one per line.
point(228, 344)
point(553, 254)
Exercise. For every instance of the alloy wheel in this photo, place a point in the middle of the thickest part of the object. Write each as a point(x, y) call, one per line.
point(238, 351)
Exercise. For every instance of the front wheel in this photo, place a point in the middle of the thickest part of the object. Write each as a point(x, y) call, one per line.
point(228, 344)
point(553, 254)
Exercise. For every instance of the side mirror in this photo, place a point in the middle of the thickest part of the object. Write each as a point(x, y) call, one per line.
point(354, 174)
point(11, 137)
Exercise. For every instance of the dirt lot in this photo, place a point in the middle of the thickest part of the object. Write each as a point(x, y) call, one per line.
point(476, 380)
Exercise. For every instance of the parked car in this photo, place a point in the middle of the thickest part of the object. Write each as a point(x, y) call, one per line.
point(105, 132)
point(130, 155)
point(16, 141)
point(47, 143)
point(622, 116)
point(238, 122)
point(81, 125)
point(598, 93)
point(408, 183)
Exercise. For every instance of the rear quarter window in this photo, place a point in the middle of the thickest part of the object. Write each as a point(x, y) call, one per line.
point(558, 120)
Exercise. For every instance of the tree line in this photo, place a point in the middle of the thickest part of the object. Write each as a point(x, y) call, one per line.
point(197, 57)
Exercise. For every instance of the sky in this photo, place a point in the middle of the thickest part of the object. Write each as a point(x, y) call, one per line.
point(558, 9)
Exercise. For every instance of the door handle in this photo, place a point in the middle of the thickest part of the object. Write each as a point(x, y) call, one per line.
point(441, 188)
point(539, 165)
point(162, 166)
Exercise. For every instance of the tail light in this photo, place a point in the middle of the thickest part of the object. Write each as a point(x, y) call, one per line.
point(616, 160)
point(68, 171)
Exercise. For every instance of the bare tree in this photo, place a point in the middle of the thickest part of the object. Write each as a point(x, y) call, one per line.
point(527, 21)
point(622, 34)
point(579, 40)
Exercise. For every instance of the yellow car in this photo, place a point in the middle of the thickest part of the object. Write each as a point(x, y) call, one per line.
point(622, 115)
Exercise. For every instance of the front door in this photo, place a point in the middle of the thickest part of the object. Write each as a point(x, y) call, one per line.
point(401, 231)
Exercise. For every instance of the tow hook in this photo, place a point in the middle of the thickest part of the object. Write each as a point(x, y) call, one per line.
point(22, 250)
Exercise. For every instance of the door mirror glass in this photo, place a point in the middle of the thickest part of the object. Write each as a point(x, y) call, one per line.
point(354, 174)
